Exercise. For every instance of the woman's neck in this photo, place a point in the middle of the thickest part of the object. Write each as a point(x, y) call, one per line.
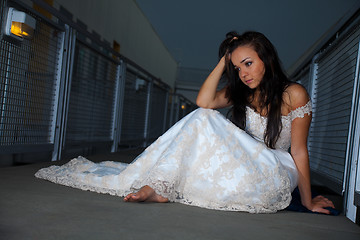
point(256, 104)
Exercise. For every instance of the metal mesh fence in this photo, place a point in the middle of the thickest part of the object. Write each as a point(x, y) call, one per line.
point(157, 112)
point(134, 110)
point(180, 107)
point(92, 95)
point(28, 73)
point(61, 96)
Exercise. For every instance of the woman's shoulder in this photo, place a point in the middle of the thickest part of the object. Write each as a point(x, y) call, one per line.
point(295, 96)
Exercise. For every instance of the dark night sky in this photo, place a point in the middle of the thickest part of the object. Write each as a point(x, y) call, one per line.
point(192, 30)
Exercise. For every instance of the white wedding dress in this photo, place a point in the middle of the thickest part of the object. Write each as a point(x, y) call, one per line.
point(203, 160)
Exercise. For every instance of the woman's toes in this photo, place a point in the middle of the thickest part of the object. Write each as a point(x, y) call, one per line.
point(146, 194)
point(129, 197)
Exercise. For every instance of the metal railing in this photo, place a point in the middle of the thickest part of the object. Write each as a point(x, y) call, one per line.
point(67, 92)
point(332, 80)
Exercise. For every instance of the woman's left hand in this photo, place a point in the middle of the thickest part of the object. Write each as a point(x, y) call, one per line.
point(319, 203)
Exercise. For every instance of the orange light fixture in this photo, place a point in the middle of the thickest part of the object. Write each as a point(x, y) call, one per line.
point(19, 25)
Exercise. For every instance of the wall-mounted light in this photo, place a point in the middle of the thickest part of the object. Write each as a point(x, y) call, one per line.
point(139, 83)
point(19, 25)
point(183, 106)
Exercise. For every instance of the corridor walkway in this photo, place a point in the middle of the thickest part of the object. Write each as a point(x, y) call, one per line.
point(36, 209)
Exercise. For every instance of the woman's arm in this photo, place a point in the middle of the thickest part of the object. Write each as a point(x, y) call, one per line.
point(299, 134)
point(208, 96)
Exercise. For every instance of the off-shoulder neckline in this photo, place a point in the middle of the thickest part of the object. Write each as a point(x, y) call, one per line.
point(282, 116)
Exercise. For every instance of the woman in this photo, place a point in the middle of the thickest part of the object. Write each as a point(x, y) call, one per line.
point(207, 161)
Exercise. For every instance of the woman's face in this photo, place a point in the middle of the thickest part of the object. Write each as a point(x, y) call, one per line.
point(250, 67)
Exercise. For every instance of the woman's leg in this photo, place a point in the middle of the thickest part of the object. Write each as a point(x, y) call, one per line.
point(145, 194)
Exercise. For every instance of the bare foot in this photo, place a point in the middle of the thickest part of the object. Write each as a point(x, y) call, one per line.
point(145, 194)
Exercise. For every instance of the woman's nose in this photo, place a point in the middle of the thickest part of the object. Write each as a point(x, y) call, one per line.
point(243, 74)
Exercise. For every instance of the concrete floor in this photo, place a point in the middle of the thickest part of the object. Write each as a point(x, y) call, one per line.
point(31, 208)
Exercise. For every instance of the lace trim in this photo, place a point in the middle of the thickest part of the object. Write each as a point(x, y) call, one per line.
point(298, 112)
point(301, 111)
point(64, 175)
point(281, 195)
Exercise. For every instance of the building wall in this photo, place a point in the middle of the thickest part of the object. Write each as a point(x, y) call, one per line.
point(124, 22)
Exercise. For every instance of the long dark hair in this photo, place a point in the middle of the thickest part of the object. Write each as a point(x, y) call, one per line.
point(271, 87)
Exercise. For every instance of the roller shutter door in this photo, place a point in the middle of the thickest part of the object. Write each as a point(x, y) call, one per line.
point(333, 90)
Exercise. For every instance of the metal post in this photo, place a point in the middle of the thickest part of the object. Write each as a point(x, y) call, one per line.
point(171, 120)
point(119, 105)
point(147, 113)
point(165, 111)
point(4, 98)
point(177, 107)
point(352, 151)
point(59, 94)
point(64, 92)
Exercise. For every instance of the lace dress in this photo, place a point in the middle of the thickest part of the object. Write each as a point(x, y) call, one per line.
point(203, 160)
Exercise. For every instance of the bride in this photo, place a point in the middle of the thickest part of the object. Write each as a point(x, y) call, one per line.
point(209, 161)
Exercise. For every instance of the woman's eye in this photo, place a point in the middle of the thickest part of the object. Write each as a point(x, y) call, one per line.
point(248, 64)
point(237, 69)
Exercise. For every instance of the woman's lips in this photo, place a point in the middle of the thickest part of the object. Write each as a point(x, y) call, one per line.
point(248, 81)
